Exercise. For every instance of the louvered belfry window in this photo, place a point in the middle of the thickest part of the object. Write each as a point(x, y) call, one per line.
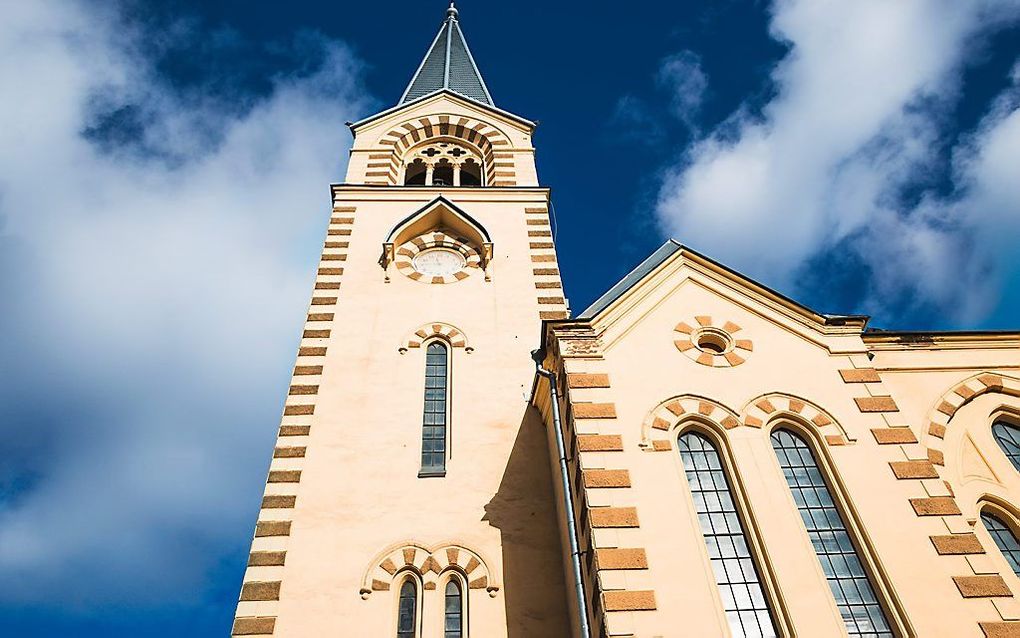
point(858, 605)
point(744, 602)
point(433, 437)
point(1007, 436)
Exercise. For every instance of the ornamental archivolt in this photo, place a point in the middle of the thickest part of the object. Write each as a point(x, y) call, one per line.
point(437, 257)
point(710, 344)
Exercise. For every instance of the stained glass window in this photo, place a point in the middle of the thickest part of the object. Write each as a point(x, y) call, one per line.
point(433, 436)
point(736, 574)
point(1007, 436)
point(454, 627)
point(407, 609)
point(855, 597)
point(1004, 540)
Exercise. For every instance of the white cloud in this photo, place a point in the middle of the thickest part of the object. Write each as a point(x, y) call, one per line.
point(857, 116)
point(683, 76)
point(153, 292)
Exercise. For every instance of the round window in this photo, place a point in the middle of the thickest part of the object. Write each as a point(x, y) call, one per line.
point(439, 262)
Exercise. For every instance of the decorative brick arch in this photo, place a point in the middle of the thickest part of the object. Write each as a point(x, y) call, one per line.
point(428, 563)
point(405, 254)
point(492, 144)
point(453, 335)
point(941, 414)
point(767, 408)
point(662, 418)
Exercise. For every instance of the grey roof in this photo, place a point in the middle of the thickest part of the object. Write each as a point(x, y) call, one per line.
point(648, 265)
point(448, 65)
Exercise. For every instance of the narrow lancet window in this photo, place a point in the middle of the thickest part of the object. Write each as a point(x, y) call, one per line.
point(1004, 539)
point(433, 438)
point(407, 610)
point(747, 610)
point(1007, 436)
point(454, 627)
point(855, 597)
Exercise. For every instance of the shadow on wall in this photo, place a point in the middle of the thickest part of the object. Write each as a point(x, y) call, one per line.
point(524, 512)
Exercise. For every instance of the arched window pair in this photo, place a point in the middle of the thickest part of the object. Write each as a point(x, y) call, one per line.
point(435, 429)
point(409, 609)
point(747, 608)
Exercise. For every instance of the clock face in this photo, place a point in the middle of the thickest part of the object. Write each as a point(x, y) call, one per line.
point(439, 262)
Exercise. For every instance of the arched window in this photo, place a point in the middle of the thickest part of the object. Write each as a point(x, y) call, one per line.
point(736, 574)
point(407, 610)
point(433, 435)
point(454, 623)
point(443, 173)
point(470, 173)
point(415, 173)
point(1007, 436)
point(855, 597)
point(1004, 539)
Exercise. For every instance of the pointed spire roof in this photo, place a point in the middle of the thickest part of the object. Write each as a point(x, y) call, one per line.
point(448, 65)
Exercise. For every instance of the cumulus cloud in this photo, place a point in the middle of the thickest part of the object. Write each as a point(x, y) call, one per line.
point(858, 117)
point(157, 247)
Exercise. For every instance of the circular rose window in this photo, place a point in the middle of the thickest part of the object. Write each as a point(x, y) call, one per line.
point(438, 262)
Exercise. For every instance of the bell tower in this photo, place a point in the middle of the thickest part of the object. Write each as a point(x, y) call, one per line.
point(410, 490)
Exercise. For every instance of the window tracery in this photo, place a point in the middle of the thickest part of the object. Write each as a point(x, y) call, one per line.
point(443, 163)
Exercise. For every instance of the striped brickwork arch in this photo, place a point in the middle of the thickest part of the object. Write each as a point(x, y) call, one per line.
point(404, 261)
point(492, 144)
point(428, 563)
point(451, 334)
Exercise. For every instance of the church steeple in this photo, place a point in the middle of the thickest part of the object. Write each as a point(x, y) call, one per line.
point(448, 65)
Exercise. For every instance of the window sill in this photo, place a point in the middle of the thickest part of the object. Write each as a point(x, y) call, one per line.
point(431, 473)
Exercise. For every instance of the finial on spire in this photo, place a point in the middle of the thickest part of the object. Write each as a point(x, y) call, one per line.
point(451, 13)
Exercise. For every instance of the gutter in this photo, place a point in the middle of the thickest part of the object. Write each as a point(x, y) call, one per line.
point(568, 501)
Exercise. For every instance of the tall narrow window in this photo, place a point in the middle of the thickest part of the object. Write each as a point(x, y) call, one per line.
point(1004, 540)
point(407, 609)
point(433, 437)
point(855, 597)
point(1007, 436)
point(736, 574)
point(454, 610)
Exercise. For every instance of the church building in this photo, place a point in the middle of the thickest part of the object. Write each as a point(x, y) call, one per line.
point(694, 455)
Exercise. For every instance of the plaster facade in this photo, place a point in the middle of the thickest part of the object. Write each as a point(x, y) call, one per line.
point(898, 423)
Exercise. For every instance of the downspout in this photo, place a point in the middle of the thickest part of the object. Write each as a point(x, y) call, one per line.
point(568, 501)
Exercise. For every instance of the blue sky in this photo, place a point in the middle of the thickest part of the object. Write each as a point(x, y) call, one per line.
point(163, 194)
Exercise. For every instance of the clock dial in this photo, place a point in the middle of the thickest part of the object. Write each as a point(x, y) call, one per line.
point(439, 262)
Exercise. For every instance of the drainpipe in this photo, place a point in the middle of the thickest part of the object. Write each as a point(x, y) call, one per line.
point(568, 501)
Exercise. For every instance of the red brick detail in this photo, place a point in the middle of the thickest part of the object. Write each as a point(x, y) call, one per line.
point(278, 501)
point(953, 544)
point(606, 478)
point(990, 586)
point(300, 371)
point(299, 410)
point(594, 410)
point(936, 457)
point(621, 558)
point(991, 381)
point(600, 443)
point(1001, 629)
point(614, 517)
point(285, 476)
point(893, 436)
point(587, 380)
point(876, 404)
point(267, 559)
point(661, 446)
point(913, 470)
point(660, 424)
point(765, 406)
point(705, 408)
point(628, 600)
point(947, 408)
point(254, 626)
point(752, 422)
point(264, 529)
point(295, 430)
point(261, 591)
point(729, 422)
point(860, 375)
point(835, 439)
point(289, 453)
point(936, 430)
point(935, 506)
